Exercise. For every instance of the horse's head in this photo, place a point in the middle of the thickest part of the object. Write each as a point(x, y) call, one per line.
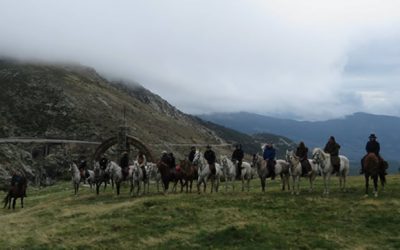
point(196, 158)
point(288, 154)
point(318, 155)
point(72, 167)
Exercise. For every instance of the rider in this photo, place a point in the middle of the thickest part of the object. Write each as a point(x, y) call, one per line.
point(209, 155)
point(332, 147)
point(269, 156)
point(192, 154)
point(82, 170)
point(238, 155)
point(302, 152)
point(141, 160)
point(124, 164)
point(17, 180)
point(172, 161)
point(165, 158)
point(372, 146)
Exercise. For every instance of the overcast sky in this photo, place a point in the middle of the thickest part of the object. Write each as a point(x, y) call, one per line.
point(308, 60)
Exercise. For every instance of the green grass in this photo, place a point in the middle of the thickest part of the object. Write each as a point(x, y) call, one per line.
point(54, 218)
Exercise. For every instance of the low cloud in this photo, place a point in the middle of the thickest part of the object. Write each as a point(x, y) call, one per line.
point(313, 60)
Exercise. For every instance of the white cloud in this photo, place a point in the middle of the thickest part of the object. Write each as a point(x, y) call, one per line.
point(272, 57)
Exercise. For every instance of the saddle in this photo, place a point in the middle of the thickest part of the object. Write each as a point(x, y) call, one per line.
point(125, 173)
point(84, 173)
point(305, 167)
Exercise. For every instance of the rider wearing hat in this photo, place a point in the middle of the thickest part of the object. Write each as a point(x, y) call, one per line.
point(372, 146)
point(269, 156)
point(141, 160)
point(332, 147)
point(124, 164)
point(209, 155)
point(192, 153)
point(83, 171)
point(302, 153)
point(237, 156)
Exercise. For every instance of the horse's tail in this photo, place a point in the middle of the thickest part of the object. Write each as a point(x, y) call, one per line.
point(5, 200)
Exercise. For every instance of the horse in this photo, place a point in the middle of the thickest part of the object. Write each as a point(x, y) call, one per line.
point(374, 168)
point(90, 180)
point(16, 191)
point(115, 172)
point(153, 173)
point(75, 176)
point(169, 174)
point(100, 174)
point(189, 173)
point(136, 178)
point(246, 173)
point(281, 169)
point(324, 161)
point(204, 172)
point(229, 172)
point(296, 171)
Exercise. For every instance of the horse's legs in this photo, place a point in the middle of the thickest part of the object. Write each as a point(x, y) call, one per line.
point(118, 185)
point(22, 201)
point(298, 185)
point(181, 182)
point(131, 190)
point(14, 201)
point(248, 184)
point(375, 177)
point(366, 183)
point(262, 184)
point(242, 183)
point(293, 183)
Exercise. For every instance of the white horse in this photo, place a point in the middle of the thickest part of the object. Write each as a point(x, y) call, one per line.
point(296, 171)
point(91, 180)
point(136, 178)
point(153, 173)
point(281, 168)
point(115, 171)
point(204, 172)
point(324, 160)
point(75, 176)
point(229, 172)
point(246, 174)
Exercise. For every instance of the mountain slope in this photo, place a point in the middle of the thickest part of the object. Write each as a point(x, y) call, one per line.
point(75, 102)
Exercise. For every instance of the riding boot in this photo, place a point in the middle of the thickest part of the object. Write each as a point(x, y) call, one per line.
point(362, 166)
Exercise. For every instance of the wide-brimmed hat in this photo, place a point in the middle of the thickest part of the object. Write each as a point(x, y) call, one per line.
point(372, 136)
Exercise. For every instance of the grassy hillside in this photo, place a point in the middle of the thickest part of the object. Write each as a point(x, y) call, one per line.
point(54, 218)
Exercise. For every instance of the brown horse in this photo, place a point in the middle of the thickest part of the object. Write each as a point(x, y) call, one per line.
point(189, 173)
point(374, 168)
point(16, 191)
point(169, 174)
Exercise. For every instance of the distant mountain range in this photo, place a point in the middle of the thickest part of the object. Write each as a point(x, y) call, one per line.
point(351, 132)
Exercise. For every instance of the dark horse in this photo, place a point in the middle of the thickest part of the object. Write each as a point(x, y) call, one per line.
point(189, 173)
point(16, 191)
point(374, 168)
point(100, 175)
point(170, 174)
